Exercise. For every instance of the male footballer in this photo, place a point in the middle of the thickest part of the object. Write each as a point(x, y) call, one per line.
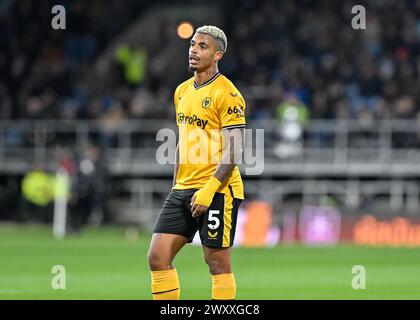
point(206, 193)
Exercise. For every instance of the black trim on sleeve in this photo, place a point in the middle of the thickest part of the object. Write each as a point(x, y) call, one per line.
point(231, 191)
point(233, 126)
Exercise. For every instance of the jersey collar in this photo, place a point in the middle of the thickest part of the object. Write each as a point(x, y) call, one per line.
point(197, 86)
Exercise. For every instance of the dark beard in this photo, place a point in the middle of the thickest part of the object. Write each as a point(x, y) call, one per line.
point(192, 69)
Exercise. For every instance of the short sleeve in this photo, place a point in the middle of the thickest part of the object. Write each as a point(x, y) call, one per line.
point(232, 110)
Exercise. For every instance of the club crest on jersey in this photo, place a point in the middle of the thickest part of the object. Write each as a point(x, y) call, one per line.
point(206, 103)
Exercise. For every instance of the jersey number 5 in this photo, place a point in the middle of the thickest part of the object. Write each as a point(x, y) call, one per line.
point(214, 219)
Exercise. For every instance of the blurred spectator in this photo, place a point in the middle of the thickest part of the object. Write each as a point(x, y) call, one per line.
point(133, 60)
point(141, 105)
point(5, 103)
point(366, 130)
point(37, 195)
point(405, 110)
point(89, 190)
point(292, 115)
point(112, 122)
point(292, 110)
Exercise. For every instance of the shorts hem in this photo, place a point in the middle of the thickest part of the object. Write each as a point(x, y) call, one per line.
point(216, 246)
point(175, 233)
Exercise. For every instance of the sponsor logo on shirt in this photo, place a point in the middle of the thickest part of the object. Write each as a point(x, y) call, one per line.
point(212, 235)
point(238, 111)
point(193, 120)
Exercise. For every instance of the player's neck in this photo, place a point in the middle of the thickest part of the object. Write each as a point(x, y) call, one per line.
point(205, 75)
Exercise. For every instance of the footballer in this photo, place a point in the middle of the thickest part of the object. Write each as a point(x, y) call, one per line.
point(206, 195)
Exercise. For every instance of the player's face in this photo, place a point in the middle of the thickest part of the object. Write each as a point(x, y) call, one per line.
point(203, 52)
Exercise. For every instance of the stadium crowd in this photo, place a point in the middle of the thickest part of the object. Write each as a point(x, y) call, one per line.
point(302, 49)
point(40, 66)
point(302, 52)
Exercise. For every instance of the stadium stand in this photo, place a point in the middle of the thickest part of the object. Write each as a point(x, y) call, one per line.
point(356, 93)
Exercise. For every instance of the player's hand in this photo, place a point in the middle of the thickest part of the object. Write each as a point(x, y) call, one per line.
point(197, 209)
point(202, 199)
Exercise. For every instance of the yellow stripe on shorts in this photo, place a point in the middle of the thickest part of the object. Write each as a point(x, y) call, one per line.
point(227, 220)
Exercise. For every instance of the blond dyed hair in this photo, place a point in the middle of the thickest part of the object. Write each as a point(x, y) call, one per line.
point(216, 33)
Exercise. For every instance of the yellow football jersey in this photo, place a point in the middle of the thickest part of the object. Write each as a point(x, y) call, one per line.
point(202, 111)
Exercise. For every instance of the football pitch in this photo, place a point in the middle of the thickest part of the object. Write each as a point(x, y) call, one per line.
point(106, 264)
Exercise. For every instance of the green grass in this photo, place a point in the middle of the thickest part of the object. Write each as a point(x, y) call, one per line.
point(104, 264)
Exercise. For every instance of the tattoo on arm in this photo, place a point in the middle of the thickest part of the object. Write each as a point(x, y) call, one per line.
point(232, 153)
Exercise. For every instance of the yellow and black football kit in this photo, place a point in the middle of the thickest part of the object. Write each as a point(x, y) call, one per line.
point(202, 113)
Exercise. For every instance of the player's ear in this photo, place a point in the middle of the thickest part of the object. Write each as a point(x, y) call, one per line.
point(218, 56)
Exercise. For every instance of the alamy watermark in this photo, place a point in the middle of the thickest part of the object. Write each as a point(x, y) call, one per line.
point(359, 20)
point(58, 22)
point(359, 279)
point(202, 147)
point(58, 281)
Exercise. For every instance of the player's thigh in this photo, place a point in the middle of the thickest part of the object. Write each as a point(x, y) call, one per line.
point(175, 217)
point(173, 229)
point(217, 226)
point(164, 247)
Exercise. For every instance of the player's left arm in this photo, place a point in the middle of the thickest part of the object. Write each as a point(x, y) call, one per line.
point(231, 109)
point(232, 150)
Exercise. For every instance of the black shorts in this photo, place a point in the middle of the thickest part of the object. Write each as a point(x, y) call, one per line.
point(216, 226)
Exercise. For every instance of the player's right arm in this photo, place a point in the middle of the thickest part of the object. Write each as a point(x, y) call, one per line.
point(176, 164)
